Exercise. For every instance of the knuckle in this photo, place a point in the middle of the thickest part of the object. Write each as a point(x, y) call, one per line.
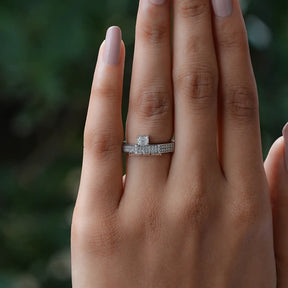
point(245, 214)
point(250, 219)
point(102, 144)
point(101, 237)
point(248, 213)
point(154, 33)
point(104, 89)
point(152, 104)
point(146, 222)
point(192, 9)
point(235, 38)
point(195, 215)
point(242, 103)
point(194, 210)
point(197, 87)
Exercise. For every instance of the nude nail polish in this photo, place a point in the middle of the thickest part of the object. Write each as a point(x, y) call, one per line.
point(285, 135)
point(157, 2)
point(113, 45)
point(222, 8)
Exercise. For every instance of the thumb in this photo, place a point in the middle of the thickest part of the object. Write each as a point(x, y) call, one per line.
point(276, 167)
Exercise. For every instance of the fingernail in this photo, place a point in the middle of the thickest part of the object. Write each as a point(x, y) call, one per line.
point(158, 2)
point(285, 135)
point(222, 8)
point(113, 45)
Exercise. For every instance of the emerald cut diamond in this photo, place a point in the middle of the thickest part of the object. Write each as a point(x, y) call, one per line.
point(143, 140)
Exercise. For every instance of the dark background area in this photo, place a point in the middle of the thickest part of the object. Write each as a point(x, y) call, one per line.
point(48, 51)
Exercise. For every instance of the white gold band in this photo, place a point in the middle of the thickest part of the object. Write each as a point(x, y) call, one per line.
point(144, 148)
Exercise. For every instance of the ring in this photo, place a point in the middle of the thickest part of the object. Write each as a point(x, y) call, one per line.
point(143, 147)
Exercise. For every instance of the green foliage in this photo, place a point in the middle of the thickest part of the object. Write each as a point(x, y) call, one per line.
point(48, 52)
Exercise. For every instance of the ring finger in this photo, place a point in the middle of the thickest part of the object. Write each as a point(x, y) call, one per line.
point(150, 107)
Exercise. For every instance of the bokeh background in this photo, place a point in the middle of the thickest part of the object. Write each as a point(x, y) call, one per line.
point(48, 50)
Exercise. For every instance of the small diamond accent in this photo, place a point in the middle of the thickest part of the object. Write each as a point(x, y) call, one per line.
point(143, 140)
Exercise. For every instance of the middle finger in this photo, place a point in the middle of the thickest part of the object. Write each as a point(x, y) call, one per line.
point(195, 79)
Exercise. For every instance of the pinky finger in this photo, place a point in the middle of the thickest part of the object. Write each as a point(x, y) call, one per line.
point(101, 180)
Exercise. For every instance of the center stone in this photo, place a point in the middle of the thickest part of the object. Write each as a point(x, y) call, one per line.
point(143, 140)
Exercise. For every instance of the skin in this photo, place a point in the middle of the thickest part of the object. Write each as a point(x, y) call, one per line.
point(200, 217)
point(277, 175)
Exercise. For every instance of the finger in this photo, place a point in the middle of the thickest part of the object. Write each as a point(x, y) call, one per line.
point(150, 107)
point(276, 167)
point(240, 141)
point(195, 83)
point(101, 179)
point(124, 180)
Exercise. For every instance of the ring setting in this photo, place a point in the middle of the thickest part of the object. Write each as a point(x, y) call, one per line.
point(143, 147)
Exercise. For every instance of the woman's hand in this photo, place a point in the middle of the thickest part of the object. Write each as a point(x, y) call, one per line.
point(202, 216)
point(276, 166)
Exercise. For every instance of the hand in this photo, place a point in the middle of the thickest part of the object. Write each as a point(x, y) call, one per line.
point(202, 216)
point(276, 166)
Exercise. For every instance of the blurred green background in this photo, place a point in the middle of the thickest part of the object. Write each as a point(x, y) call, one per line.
point(48, 51)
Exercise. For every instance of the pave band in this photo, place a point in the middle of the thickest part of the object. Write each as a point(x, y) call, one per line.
point(144, 148)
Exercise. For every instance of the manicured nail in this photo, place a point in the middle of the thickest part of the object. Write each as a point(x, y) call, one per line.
point(285, 135)
point(222, 8)
point(158, 2)
point(113, 45)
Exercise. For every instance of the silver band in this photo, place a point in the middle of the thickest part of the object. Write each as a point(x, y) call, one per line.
point(143, 147)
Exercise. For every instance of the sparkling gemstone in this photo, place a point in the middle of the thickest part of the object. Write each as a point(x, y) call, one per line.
point(143, 140)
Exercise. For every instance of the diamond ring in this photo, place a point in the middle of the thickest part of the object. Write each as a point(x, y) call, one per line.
point(143, 147)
